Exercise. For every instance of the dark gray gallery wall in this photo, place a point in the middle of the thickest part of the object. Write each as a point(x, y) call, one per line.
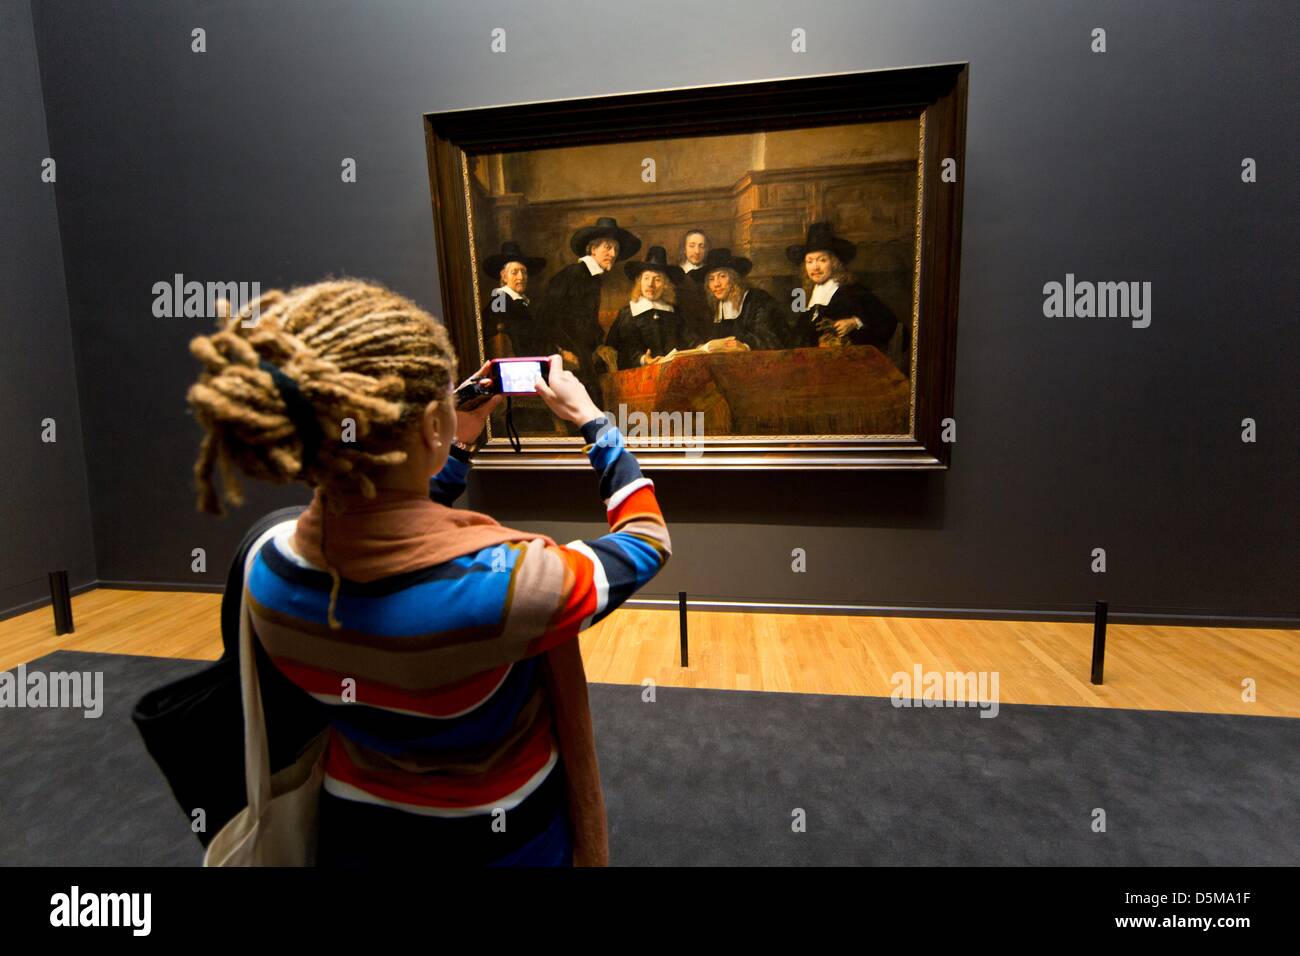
point(45, 513)
point(1072, 433)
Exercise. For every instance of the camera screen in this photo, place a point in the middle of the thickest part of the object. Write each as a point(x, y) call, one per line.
point(518, 377)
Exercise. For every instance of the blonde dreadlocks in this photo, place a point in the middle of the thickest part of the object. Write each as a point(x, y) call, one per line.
point(355, 351)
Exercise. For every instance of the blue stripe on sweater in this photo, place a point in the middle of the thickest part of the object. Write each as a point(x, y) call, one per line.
point(390, 733)
point(606, 453)
point(605, 449)
point(467, 591)
point(629, 562)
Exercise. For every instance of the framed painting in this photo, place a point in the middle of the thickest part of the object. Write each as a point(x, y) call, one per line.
point(756, 275)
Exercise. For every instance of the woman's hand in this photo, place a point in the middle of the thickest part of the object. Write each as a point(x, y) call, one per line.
point(470, 424)
point(566, 396)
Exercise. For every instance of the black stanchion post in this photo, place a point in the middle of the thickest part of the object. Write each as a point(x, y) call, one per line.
point(681, 615)
point(1098, 642)
point(61, 601)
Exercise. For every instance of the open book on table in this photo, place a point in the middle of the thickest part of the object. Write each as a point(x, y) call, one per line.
point(728, 344)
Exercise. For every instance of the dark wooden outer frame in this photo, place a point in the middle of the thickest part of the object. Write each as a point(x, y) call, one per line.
point(934, 94)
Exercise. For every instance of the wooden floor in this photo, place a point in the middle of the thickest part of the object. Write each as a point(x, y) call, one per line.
point(1151, 668)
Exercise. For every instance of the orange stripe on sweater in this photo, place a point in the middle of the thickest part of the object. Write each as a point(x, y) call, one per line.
point(434, 790)
point(579, 600)
point(641, 502)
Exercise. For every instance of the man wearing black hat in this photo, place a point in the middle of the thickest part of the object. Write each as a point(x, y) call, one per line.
point(572, 303)
point(507, 311)
point(838, 309)
point(751, 315)
point(649, 325)
point(511, 329)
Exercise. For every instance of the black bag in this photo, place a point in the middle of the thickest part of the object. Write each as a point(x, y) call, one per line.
point(194, 727)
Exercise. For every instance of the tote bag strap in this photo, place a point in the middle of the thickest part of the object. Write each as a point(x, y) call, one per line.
point(257, 756)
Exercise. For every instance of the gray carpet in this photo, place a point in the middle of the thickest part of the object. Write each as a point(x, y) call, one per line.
point(713, 778)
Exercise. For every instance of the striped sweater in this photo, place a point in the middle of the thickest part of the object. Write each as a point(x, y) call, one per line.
point(438, 715)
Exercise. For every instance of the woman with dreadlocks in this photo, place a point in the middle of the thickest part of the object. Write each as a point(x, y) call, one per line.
point(459, 635)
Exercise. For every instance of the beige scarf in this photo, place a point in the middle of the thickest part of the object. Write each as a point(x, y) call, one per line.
point(401, 531)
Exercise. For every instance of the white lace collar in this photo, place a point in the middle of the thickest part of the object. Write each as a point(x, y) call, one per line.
point(510, 292)
point(645, 305)
point(728, 311)
point(822, 294)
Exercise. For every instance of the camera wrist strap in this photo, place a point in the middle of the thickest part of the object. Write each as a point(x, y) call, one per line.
point(511, 432)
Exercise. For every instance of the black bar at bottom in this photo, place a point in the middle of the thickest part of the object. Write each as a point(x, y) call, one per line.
point(1098, 642)
point(61, 601)
point(681, 613)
